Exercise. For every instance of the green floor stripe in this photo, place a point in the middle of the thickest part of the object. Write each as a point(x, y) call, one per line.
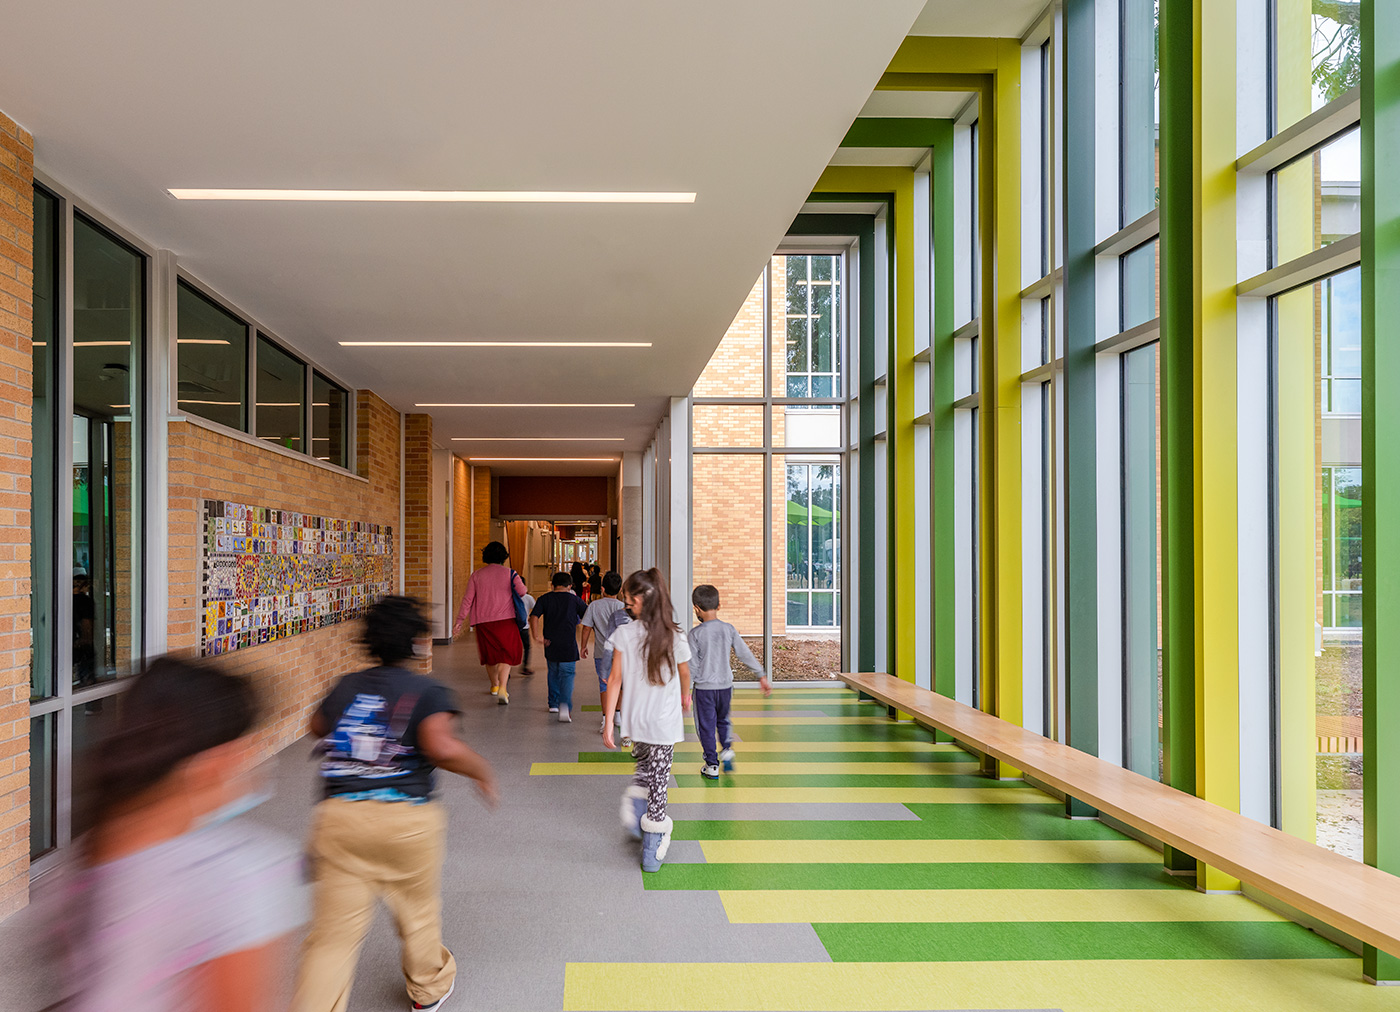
point(758, 759)
point(1073, 940)
point(834, 732)
point(936, 822)
point(705, 877)
point(745, 779)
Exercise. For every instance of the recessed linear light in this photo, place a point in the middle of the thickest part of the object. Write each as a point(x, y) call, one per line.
point(199, 340)
point(440, 196)
point(578, 460)
point(537, 439)
point(495, 344)
point(523, 405)
point(221, 404)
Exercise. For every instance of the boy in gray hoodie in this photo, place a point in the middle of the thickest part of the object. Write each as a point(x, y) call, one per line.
point(712, 678)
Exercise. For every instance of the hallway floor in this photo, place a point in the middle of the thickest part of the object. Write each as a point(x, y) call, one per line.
point(848, 863)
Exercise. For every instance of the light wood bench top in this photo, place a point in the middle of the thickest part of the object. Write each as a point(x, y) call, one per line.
point(1348, 895)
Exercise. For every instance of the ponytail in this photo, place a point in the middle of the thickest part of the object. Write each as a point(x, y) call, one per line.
point(656, 617)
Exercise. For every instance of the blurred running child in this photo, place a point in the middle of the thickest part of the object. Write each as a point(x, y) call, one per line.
point(180, 902)
point(554, 622)
point(378, 832)
point(605, 615)
point(651, 673)
point(710, 643)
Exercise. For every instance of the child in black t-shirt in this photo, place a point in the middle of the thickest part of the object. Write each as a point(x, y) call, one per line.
point(554, 622)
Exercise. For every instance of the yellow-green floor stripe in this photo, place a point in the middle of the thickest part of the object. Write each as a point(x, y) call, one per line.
point(1174, 985)
point(927, 851)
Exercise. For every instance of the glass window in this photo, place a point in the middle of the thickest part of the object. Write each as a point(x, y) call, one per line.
point(43, 762)
point(1047, 196)
point(1339, 319)
point(1317, 55)
point(1317, 198)
point(281, 396)
point(1138, 113)
point(330, 421)
point(109, 323)
point(41, 461)
point(1320, 488)
point(1139, 279)
point(812, 326)
point(92, 721)
point(974, 234)
point(812, 513)
point(1142, 546)
point(213, 360)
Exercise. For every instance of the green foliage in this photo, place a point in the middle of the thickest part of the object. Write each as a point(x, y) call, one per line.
point(1336, 47)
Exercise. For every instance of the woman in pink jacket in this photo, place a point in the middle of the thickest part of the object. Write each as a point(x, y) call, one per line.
point(490, 605)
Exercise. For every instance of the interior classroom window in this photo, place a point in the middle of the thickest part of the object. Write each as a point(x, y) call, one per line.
point(213, 360)
point(330, 421)
point(281, 393)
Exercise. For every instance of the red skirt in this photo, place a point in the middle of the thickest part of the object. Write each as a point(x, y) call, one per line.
point(499, 642)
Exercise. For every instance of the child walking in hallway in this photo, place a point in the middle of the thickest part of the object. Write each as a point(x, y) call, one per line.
point(710, 642)
point(650, 662)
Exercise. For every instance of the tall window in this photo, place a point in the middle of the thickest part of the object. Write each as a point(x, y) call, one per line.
point(1138, 116)
point(1142, 551)
point(766, 431)
point(87, 472)
point(1317, 56)
point(812, 308)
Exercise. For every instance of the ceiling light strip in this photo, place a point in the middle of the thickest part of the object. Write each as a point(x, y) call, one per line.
point(555, 460)
point(524, 405)
point(495, 344)
point(537, 439)
point(438, 196)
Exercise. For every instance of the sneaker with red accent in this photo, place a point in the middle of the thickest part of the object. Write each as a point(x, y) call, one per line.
point(437, 1004)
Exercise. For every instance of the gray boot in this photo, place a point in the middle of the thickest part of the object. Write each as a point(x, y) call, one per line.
point(634, 806)
point(656, 840)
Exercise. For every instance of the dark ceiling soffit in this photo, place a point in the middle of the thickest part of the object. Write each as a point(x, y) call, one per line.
point(895, 132)
point(837, 223)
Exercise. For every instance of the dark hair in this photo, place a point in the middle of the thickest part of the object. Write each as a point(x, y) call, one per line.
point(612, 583)
point(391, 626)
point(705, 597)
point(561, 580)
point(173, 711)
point(656, 618)
point(494, 553)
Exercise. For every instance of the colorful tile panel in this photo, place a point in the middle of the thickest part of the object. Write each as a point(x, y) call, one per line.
point(269, 574)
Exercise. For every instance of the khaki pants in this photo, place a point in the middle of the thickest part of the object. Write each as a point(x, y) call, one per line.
point(360, 851)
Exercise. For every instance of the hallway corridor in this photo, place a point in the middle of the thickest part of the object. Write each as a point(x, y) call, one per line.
point(848, 863)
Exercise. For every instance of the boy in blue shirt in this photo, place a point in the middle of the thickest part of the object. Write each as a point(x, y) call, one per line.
point(713, 679)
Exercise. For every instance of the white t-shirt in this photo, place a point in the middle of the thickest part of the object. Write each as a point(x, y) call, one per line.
point(650, 713)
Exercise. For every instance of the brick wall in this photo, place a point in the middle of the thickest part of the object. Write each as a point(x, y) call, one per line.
point(481, 503)
point(291, 674)
point(418, 507)
point(16, 358)
point(727, 497)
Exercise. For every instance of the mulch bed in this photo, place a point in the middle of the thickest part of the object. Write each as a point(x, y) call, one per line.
point(794, 660)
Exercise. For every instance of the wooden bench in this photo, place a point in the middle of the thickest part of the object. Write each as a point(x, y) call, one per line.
point(1346, 894)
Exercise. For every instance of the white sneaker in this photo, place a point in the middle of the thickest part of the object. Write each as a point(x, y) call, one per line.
point(603, 727)
point(564, 717)
point(726, 759)
point(554, 709)
point(709, 772)
point(437, 1004)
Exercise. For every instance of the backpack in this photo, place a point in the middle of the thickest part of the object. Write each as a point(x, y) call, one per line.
point(616, 621)
point(521, 618)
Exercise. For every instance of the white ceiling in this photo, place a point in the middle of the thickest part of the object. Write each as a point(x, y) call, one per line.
point(997, 19)
point(741, 102)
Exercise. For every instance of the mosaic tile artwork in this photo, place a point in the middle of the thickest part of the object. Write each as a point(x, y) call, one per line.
point(268, 574)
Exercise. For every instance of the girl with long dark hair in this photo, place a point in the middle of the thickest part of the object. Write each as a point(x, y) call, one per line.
point(650, 656)
point(179, 902)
